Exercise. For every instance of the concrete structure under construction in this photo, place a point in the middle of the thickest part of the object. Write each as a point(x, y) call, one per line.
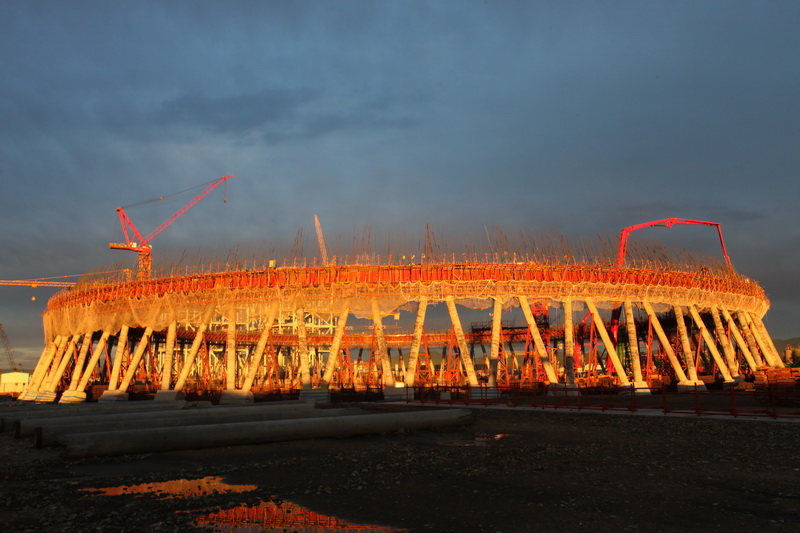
point(532, 310)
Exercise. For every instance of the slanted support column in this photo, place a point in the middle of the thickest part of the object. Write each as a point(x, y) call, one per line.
point(57, 372)
point(767, 346)
point(739, 340)
point(686, 348)
point(544, 352)
point(119, 353)
point(383, 354)
point(494, 349)
point(136, 359)
point(169, 356)
point(302, 348)
point(466, 358)
point(78, 370)
point(258, 355)
point(730, 356)
point(416, 341)
point(230, 352)
point(597, 320)
point(712, 346)
point(41, 369)
point(665, 344)
point(189, 362)
point(78, 394)
point(633, 344)
point(751, 341)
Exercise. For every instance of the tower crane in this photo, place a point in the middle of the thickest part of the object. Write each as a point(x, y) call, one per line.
point(141, 245)
point(7, 348)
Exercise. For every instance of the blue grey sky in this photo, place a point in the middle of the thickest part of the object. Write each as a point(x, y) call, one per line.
point(582, 116)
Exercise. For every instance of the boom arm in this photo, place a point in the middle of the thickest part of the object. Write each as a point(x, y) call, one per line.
point(134, 240)
point(667, 222)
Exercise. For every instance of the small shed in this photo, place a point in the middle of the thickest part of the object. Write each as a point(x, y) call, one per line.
point(14, 382)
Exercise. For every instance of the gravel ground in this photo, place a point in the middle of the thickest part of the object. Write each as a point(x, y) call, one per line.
point(512, 470)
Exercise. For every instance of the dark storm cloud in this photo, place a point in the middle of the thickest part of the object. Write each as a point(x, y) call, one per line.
point(584, 116)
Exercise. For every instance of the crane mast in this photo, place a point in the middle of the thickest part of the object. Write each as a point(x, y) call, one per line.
point(7, 348)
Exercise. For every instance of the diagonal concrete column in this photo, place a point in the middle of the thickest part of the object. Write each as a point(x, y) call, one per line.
point(416, 341)
point(686, 347)
point(494, 349)
point(80, 361)
point(769, 346)
point(302, 348)
point(722, 335)
point(665, 344)
point(712, 346)
point(383, 353)
point(169, 356)
point(751, 340)
point(258, 355)
point(597, 321)
point(40, 372)
point(188, 364)
point(55, 376)
point(737, 335)
point(544, 352)
point(463, 349)
point(230, 351)
point(136, 359)
point(92, 364)
point(119, 353)
point(639, 383)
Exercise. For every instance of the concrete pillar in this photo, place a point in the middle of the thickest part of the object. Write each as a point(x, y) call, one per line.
point(766, 340)
point(77, 391)
point(688, 355)
point(189, 362)
point(597, 320)
point(544, 351)
point(724, 341)
point(58, 372)
point(494, 348)
point(169, 356)
point(92, 364)
point(633, 343)
point(751, 362)
point(665, 344)
point(416, 341)
point(79, 362)
point(336, 345)
point(230, 351)
point(751, 341)
point(52, 376)
point(712, 346)
point(302, 349)
point(119, 353)
point(383, 354)
point(258, 355)
point(40, 372)
point(136, 359)
point(463, 349)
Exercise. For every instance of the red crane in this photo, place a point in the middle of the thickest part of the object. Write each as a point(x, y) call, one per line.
point(667, 222)
point(141, 245)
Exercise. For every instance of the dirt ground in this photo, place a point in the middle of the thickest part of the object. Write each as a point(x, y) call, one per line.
point(512, 470)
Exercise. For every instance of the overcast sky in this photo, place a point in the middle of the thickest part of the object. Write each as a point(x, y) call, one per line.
point(582, 116)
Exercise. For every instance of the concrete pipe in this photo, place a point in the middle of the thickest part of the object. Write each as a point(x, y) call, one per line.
point(198, 437)
point(26, 427)
point(51, 435)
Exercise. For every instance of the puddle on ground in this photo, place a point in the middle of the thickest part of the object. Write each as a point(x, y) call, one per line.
point(264, 517)
point(282, 516)
point(479, 439)
point(178, 488)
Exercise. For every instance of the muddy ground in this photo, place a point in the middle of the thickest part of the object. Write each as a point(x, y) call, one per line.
point(512, 470)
